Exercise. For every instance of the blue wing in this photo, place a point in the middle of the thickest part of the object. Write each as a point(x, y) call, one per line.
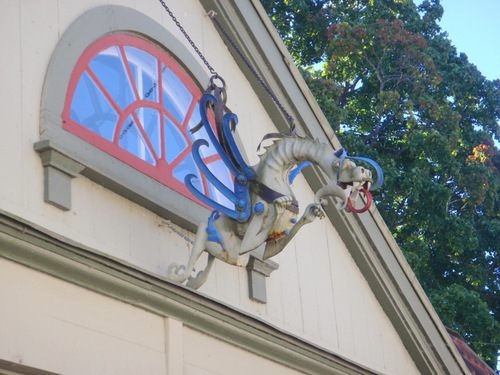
point(231, 157)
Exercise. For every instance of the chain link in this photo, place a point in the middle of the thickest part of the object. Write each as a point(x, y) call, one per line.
point(254, 72)
point(169, 224)
point(211, 70)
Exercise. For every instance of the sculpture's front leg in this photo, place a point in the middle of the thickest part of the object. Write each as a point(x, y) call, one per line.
point(180, 273)
point(312, 212)
point(202, 242)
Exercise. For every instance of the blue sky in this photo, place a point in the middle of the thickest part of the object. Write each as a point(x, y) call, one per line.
point(473, 26)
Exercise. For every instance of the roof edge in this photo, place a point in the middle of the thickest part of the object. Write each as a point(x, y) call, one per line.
point(368, 238)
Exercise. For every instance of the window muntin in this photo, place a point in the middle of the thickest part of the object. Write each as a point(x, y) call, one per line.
point(131, 99)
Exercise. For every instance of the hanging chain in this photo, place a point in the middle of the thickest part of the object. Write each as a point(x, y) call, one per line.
point(169, 224)
point(211, 70)
point(212, 15)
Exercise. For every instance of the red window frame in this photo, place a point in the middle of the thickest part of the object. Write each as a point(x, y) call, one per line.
point(161, 170)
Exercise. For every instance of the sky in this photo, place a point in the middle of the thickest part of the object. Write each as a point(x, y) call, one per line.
point(473, 27)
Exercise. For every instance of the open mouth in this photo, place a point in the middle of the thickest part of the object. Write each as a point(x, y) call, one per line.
point(355, 185)
point(353, 189)
point(348, 192)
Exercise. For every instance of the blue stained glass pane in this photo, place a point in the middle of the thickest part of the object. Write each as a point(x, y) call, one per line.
point(145, 72)
point(175, 142)
point(131, 140)
point(219, 169)
point(91, 109)
point(109, 68)
point(188, 166)
point(150, 118)
point(200, 134)
point(176, 96)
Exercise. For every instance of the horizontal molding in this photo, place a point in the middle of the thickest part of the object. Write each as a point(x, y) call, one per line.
point(52, 254)
point(17, 368)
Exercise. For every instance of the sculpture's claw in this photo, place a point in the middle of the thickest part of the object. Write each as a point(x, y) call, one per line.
point(319, 212)
point(177, 273)
point(313, 211)
point(282, 203)
point(201, 277)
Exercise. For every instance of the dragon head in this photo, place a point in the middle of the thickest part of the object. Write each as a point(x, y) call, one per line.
point(353, 179)
point(349, 179)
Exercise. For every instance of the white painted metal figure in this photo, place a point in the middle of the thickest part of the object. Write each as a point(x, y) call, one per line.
point(274, 210)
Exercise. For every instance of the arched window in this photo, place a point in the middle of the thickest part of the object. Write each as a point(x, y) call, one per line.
point(131, 99)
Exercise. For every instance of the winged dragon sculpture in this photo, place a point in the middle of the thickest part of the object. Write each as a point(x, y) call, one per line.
point(265, 208)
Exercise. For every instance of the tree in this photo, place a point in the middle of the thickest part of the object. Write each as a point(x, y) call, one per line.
point(395, 89)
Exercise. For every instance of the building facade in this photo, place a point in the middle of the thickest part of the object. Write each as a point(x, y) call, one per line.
point(98, 100)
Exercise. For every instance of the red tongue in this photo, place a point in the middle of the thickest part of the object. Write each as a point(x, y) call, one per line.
point(368, 196)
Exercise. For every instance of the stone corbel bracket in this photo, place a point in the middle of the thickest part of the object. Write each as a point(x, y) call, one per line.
point(258, 269)
point(58, 172)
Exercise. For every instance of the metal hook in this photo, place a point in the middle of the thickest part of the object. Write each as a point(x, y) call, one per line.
point(213, 84)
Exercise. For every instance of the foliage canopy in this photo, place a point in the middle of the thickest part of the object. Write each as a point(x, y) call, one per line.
point(395, 89)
